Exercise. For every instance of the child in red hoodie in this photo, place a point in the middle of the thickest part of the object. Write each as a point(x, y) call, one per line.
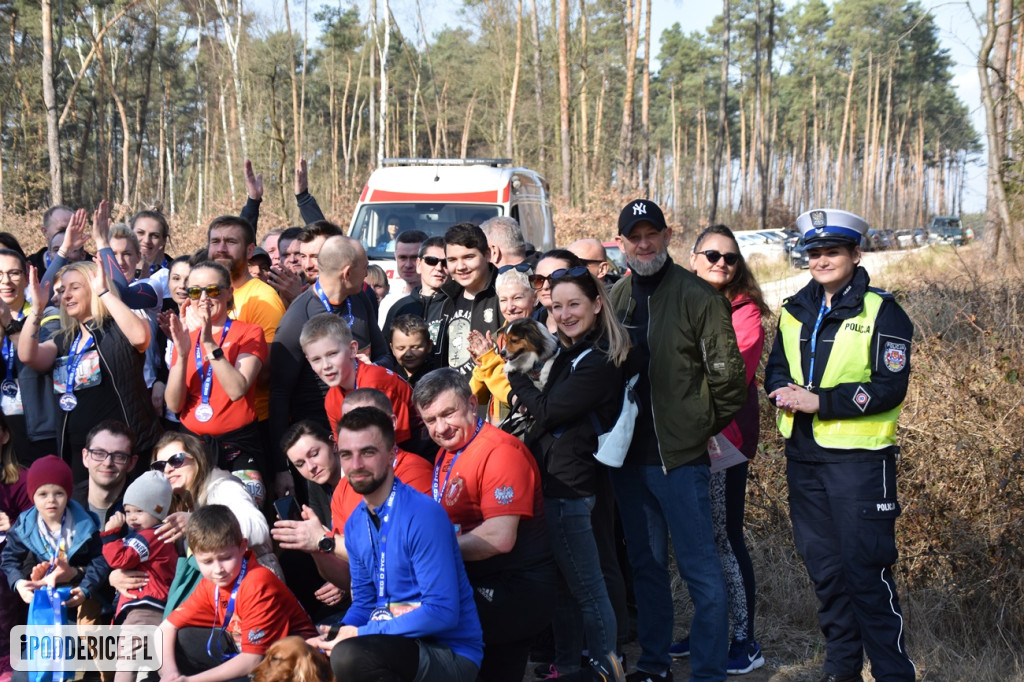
point(130, 543)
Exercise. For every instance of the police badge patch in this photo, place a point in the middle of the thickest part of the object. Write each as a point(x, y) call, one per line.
point(861, 398)
point(818, 219)
point(504, 495)
point(895, 356)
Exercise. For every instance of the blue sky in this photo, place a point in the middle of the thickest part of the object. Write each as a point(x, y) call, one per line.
point(958, 32)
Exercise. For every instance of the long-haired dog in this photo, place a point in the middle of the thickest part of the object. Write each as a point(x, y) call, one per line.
point(529, 348)
point(292, 659)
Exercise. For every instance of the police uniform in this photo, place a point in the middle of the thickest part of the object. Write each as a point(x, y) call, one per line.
point(841, 461)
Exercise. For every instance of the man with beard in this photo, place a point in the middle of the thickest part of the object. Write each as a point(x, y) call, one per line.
point(692, 382)
point(231, 242)
point(412, 614)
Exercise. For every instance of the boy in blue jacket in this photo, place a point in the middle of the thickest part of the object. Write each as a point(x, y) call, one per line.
point(56, 542)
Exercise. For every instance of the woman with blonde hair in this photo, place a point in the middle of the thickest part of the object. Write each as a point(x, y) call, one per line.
point(96, 359)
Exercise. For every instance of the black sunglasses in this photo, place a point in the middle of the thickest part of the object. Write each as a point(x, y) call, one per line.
point(518, 267)
point(434, 261)
point(537, 281)
point(212, 291)
point(174, 461)
point(713, 256)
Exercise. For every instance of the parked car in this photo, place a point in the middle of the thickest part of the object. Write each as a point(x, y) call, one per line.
point(946, 230)
point(798, 255)
point(905, 239)
point(615, 255)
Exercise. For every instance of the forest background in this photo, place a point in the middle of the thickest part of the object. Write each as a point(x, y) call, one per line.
point(769, 110)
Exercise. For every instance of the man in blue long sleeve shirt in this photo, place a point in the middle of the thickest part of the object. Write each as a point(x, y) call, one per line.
point(412, 614)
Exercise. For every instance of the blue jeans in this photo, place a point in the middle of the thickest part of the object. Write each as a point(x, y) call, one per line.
point(653, 504)
point(575, 550)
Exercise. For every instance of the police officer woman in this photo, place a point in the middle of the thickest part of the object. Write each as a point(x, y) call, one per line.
point(838, 373)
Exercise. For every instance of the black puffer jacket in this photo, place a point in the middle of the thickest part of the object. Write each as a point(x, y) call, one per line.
point(563, 438)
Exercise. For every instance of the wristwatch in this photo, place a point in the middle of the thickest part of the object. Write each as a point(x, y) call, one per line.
point(13, 327)
point(326, 544)
point(217, 354)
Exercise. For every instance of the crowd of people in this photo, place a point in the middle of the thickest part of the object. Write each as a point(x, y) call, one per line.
point(260, 440)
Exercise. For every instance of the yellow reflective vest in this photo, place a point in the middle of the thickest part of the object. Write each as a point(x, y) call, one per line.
point(848, 362)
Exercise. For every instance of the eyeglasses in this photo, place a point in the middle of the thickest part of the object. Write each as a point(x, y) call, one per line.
point(434, 261)
point(713, 256)
point(100, 456)
point(12, 274)
point(174, 461)
point(212, 291)
point(593, 261)
point(518, 267)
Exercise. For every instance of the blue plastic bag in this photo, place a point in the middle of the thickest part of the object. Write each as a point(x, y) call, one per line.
point(47, 609)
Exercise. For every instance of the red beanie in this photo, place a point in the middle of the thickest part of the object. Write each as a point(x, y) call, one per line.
point(49, 469)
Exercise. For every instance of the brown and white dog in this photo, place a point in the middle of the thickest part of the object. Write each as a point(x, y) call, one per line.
point(292, 659)
point(529, 348)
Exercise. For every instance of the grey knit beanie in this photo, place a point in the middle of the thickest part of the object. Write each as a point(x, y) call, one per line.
point(150, 492)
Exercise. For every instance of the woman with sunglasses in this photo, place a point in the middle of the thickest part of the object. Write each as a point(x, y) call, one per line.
point(582, 395)
point(96, 359)
point(211, 385)
point(182, 458)
point(717, 260)
point(516, 299)
point(555, 259)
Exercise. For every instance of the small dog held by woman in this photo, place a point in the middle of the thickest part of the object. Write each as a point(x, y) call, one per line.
point(292, 659)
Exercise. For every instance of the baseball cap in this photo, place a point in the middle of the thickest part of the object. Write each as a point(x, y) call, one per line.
point(640, 211)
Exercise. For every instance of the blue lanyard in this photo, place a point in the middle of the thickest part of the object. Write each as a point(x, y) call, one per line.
point(208, 376)
point(156, 266)
point(385, 523)
point(814, 342)
point(8, 350)
point(228, 613)
point(74, 357)
point(438, 491)
point(318, 290)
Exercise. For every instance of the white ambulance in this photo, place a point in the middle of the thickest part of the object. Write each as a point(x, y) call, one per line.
point(433, 194)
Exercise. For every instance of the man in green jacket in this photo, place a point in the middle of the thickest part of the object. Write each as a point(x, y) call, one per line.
point(692, 382)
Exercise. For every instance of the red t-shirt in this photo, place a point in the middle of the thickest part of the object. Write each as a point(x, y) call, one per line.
point(385, 381)
point(410, 468)
point(228, 415)
point(265, 610)
point(496, 475)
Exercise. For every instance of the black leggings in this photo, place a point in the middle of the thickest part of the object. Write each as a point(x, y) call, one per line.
point(381, 658)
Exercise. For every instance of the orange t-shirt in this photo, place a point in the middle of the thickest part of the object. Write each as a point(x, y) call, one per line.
point(265, 610)
point(410, 468)
point(228, 415)
point(496, 475)
point(385, 381)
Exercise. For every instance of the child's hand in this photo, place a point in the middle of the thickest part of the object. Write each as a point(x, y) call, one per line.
point(5, 522)
point(76, 598)
point(39, 571)
point(114, 522)
point(26, 588)
point(62, 573)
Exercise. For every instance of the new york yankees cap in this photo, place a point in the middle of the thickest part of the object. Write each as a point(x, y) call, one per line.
point(641, 211)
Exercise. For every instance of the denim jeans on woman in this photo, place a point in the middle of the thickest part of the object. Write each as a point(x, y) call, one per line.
point(575, 550)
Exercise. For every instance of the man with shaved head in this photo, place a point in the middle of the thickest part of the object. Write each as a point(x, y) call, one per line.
point(296, 392)
point(593, 254)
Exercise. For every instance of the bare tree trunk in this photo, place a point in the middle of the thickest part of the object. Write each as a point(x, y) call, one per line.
point(842, 134)
point(563, 97)
point(584, 128)
point(295, 86)
point(227, 144)
point(538, 84)
point(723, 101)
point(467, 124)
point(384, 83)
point(631, 25)
point(232, 36)
point(514, 92)
point(992, 61)
point(50, 100)
point(645, 104)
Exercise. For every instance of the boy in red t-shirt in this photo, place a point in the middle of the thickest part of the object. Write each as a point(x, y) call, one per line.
point(330, 350)
point(235, 613)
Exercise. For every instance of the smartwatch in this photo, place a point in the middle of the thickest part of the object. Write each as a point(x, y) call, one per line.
point(326, 544)
point(217, 354)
